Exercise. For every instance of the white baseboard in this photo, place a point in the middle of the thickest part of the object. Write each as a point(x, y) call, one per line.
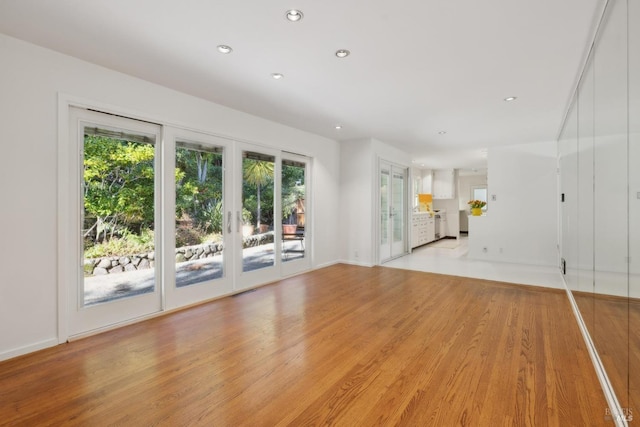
point(326, 264)
point(358, 263)
point(10, 354)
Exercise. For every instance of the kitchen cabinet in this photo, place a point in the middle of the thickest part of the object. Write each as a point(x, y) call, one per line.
point(453, 225)
point(431, 230)
point(444, 184)
point(443, 226)
point(423, 229)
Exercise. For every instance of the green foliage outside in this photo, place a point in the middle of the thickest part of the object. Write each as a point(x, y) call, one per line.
point(258, 186)
point(119, 195)
point(293, 190)
point(198, 196)
point(127, 244)
point(118, 190)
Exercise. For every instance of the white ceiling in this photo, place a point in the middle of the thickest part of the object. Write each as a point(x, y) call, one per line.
point(416, 67)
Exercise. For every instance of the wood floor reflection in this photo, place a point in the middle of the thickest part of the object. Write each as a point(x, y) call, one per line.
point(614, 326)
point(343, 345)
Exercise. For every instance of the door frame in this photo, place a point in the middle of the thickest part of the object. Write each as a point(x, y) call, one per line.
point(82, 319)
point(293, 267)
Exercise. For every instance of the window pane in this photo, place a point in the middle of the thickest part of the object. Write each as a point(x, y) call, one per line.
point(398, 207)
point(480, 194)
point(384, 207)
point(118, 216)
point(199, 213)
point(257, 211)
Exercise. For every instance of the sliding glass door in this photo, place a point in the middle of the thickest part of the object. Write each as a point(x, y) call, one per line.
point(164, 217)
point(199, 264)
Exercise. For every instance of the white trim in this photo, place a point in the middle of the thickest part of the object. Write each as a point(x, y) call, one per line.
point(607, 387)
point(20, 351)
point(357, 263)
point(62, 211)
point(81, 102)
point(326, 264)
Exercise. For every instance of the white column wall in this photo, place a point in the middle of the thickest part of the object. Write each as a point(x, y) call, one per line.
point(521, 225)
point(357, 178)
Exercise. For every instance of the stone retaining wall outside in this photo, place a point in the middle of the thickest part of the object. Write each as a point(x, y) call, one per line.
point(111, 265)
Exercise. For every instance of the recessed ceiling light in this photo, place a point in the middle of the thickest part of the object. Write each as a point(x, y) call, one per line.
point(277, 76)
point(511, 98)
point(442, 132)
point(294, 15)
point(223, 48)
point(338, 127)
point(342, 53)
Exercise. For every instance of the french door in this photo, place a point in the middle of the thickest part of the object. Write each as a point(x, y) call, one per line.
point(393, 211)
point(115, 185)
point(256, 215)
point(166, 217)
point(199, 191)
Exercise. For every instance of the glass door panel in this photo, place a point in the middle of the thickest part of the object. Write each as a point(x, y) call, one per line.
point(398, 213)
point(200, 219)
point(385, 224)
point(199, 238)
point(258, 209)
point(393, 212)
point(118, 214)
point(293, 191)
point(118, 173)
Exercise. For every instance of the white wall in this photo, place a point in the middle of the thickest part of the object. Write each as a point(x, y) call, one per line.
point(356, 201)
point(30, 80)
point(520, 226)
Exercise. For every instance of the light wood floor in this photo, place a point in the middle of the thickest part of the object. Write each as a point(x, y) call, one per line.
point(343, 346)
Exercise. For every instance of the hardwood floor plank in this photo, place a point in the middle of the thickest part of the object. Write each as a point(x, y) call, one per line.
point(343, 345)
